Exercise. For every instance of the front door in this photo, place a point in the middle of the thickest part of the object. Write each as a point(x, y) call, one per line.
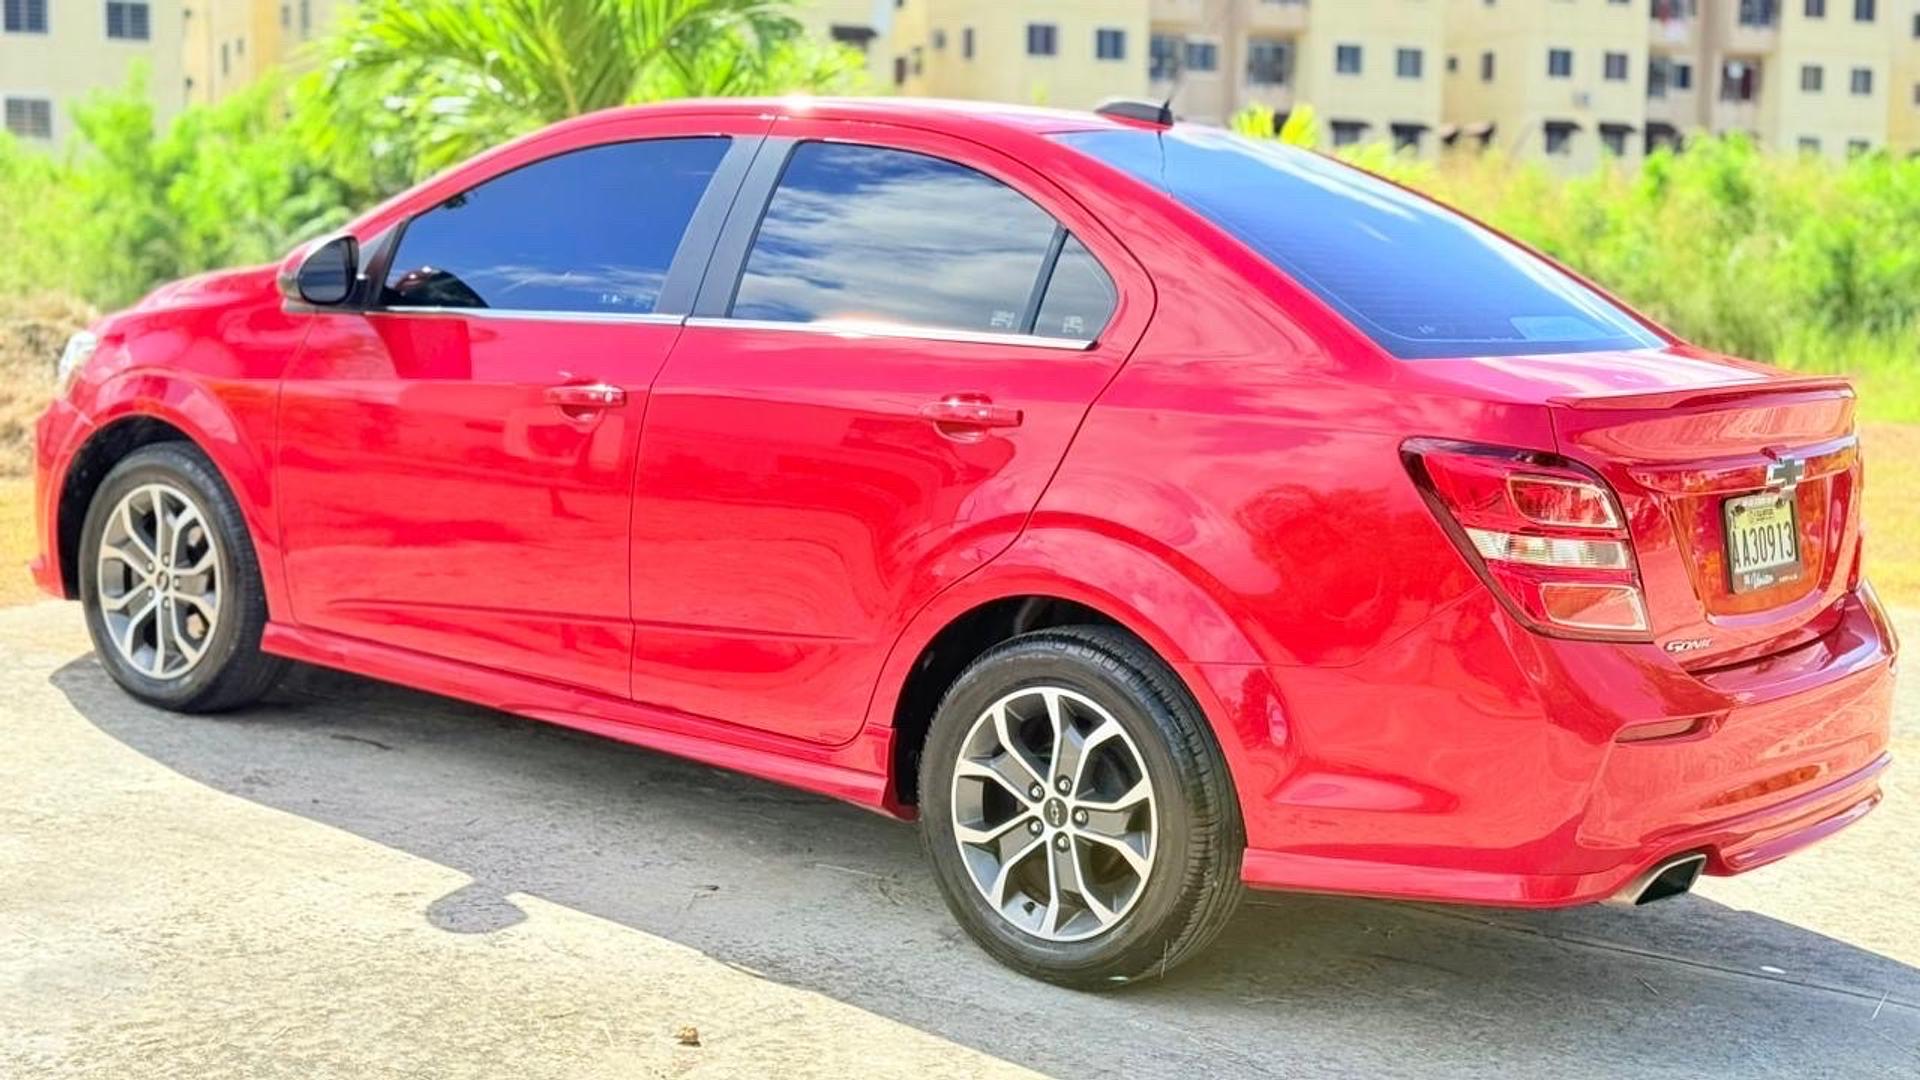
point(456, 463)
point(882, 373)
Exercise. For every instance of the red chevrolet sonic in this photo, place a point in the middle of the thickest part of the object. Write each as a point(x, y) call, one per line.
point(1148, 510)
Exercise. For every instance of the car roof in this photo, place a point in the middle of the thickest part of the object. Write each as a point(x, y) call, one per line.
point(938, 113)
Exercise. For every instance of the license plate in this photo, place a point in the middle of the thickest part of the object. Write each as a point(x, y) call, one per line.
point(1763, 540)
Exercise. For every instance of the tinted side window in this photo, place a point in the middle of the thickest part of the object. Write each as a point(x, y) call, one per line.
point(869, 234)
point(1079, 297)
point(590, 231)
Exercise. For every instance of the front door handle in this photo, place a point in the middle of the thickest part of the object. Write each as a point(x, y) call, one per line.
point(578, 398)
point(971, 412)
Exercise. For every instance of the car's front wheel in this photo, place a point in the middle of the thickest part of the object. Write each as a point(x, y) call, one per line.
point(1077, 811)
point(171, 586)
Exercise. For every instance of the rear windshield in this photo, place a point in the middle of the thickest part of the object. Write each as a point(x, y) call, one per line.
point(1421, 281)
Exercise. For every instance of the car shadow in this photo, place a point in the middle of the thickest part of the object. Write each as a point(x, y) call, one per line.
point(823, 896)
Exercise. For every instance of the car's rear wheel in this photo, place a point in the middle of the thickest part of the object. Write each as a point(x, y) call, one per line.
point(171, 587)
point(1077, 811)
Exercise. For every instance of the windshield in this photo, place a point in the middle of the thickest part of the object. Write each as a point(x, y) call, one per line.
point(1421, 281)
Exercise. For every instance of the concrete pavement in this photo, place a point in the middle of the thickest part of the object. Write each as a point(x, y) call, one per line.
point(358, 880)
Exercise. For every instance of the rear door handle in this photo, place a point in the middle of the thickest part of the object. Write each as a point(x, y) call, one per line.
point(585, 397)
point(971, 413)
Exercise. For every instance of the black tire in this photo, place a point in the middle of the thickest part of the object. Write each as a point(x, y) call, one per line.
point(232, 672)
point(1193, 885)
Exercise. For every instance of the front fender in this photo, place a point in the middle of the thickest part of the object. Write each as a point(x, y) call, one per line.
point(231, 421)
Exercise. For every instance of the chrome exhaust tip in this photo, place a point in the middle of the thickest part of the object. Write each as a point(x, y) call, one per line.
point(1667, 879)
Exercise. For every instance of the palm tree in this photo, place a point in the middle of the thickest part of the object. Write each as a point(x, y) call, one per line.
point(425, 83)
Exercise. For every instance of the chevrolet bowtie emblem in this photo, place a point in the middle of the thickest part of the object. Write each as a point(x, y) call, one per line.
point(1786, 472)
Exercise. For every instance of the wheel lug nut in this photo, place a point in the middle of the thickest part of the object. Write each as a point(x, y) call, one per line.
point(1061, 841)
point(1079, 817)
point(1033, 827)
point(1065, 785)
point(1036, 791)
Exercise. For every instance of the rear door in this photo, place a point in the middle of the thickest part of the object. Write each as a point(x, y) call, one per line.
point(897, 339)
point(456, 461)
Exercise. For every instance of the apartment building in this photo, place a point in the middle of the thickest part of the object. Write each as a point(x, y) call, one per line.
point(1070, 53)
point(1903, 89)
point(1372, 69)
point(53, 53)
point(1561, 79)
point(857, 24)
point(230, 44)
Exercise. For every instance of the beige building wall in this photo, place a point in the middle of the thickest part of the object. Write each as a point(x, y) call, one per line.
point(75, 57)
point(1903, 89)
point(1568, 79)
point(230, 44)
point(978, 50)
point(1389, 101)
point(857, 24)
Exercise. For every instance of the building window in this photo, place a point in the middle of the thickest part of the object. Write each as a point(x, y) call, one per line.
point(1043, 39)
point(1682, 76)
point(860, 37)
point(966, 43)
point(286, 16)
point(30, 118)
point(1856, 147)
point(1560, 137)
point(1486, 66)
point(939, 41)
point(1408, 63)
point(899, 71)
point(226, 60)
point(1269, 62)
point(1758, 12)
point(1407, 136)
point(919, 60)
point(306, 18)
point(1809, 144)
point(1862, 81)
point(1163, 57)
point(1346, 59)
point(1863, 11)
point(25, 17)
point(1616, 67)
point(1813, 78)
point(1816, 9)
point(1348, 132)
point(1916, 93)
point(1110, 44)
point(1453, 63)
point(1202, 56)
point(1559, 63)
point(129, 21)
point(1614, 138)
point(1916, 26)
point(1739, 80)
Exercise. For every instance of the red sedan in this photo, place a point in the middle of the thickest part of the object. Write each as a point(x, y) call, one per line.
point(1148, 510)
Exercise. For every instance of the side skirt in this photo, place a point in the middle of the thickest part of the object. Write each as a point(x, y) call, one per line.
point(855, 772)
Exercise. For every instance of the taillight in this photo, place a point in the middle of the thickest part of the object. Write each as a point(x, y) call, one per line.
point(1548, 536)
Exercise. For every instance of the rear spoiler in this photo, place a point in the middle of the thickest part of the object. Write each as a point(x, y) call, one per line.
point(1707, 397)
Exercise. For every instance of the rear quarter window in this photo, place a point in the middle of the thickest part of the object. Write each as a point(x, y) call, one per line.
point(1419, 280)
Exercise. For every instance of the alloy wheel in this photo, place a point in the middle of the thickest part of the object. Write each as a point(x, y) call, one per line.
point(159, 581)
point(1054, 813)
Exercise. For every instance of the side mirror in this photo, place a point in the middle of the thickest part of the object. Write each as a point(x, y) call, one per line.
point(322, 275)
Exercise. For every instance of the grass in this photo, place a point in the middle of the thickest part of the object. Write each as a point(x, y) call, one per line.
point(1893, 511)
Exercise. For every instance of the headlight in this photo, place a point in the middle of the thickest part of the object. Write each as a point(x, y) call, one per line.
point(79, 350)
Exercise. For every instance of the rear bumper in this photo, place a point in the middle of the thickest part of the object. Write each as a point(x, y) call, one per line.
point(1479, 763)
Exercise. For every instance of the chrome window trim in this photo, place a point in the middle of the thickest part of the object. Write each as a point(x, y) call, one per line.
point(648, 319)
point(859, 328)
